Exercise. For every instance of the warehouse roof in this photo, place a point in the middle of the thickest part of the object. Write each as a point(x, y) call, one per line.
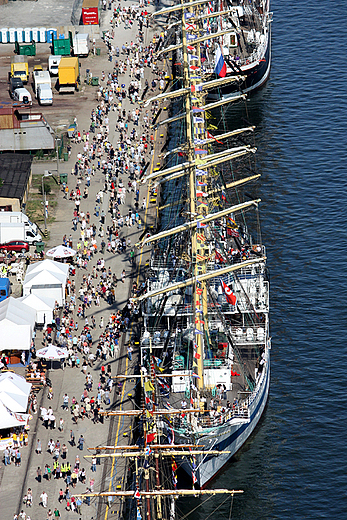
point(15, 171)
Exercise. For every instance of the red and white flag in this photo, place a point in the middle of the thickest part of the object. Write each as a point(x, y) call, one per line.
point(230, 296)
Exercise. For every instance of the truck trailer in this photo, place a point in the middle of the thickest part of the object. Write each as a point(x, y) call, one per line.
point(18, 231)
point(68, 75)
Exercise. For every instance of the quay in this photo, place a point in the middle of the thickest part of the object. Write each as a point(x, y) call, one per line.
point(109, 475)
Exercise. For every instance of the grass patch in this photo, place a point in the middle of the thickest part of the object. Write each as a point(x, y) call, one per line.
point(34, 207)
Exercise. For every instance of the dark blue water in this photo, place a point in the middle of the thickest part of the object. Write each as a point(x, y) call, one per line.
point(295, 466)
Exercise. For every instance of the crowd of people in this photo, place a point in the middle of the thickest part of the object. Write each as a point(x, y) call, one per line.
point(115, 151)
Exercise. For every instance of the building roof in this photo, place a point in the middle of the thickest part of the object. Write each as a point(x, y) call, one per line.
point(15, 171)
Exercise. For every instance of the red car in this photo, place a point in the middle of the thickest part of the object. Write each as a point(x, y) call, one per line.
point(19, 246)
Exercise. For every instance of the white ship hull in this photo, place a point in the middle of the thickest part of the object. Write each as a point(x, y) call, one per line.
point(229, 437)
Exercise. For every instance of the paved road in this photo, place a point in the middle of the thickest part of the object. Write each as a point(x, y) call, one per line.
point(16, 480)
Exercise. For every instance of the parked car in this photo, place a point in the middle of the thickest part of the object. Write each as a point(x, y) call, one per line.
point(19, 246)
point(22, 95)
point(15, 83)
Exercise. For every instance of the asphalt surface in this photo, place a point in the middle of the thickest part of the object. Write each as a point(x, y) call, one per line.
point(16, 480)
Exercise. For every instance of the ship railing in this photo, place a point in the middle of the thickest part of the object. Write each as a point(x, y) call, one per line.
point(249, 335)
point(239, 412)
point(258, 387)
point(162, 263)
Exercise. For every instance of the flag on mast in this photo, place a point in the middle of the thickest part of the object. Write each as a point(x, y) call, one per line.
point(220, 66)
point(230, 296)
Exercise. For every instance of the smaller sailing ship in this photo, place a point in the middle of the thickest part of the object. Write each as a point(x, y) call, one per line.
point(239, 31)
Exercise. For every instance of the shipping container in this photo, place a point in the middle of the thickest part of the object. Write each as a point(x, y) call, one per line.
point(81, 44)
point(68, 74)
point(90, 12)
point(62, 47)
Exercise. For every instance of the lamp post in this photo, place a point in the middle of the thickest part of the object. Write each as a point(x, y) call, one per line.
point(57, 140)
point(45, 174)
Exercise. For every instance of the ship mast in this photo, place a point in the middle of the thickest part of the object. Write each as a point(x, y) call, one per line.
point(198, 357)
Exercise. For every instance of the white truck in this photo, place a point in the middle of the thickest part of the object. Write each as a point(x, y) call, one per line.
point(17, 217)
point(44, 94)
point(81, 44)
point(53, 64)
point(41, 77)
point(18, 231)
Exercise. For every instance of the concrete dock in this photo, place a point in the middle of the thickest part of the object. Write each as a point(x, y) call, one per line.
point(15, 481)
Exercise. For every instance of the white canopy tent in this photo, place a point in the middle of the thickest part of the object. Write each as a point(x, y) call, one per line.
point(17, 322)
point(52, 352)
point(61, 252)
point(42, 306)
point(48, 265)
point(9, 419)
point(14, 391)
point(47, 284)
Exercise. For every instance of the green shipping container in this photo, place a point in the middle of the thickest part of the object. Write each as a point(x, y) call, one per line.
point(62, 47)
point(25, 49)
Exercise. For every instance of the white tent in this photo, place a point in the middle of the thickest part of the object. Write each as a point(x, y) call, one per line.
point(52, 352)
point(47, 284)
point(48, 265)
point(42, 306)
point(61, 252)
point(17, 322)
point(9, 419)
point(14, 391)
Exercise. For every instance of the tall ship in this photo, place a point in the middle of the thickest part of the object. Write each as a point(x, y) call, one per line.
point(241, 31)
point(205, 343)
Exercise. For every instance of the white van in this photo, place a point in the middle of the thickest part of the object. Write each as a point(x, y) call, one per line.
point(22, 95)
point(53, 64)
point(44, 94)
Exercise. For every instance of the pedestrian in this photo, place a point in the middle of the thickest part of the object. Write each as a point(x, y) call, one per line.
point(39, 475)
point(44, 499)
point(72, 438)
point(130, 351)
point(65, 405)
point(56, 513)
point(61, 424)
point(7, 457)
point(94, 464)
point(18, 458)
point(101, 322)
point(123, 276)
point(38, 447)
point(80, 443)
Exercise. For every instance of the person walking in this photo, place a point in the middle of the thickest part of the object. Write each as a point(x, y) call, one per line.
point(81, 441)
point(44, 499)
point(72, 438)
point(38, 447)
point(65, 405)
point(39, 475)
point(7, 457)
point(93, 464)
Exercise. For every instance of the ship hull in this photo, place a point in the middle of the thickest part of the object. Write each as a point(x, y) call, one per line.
point(256, 73)
point(228, 437)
